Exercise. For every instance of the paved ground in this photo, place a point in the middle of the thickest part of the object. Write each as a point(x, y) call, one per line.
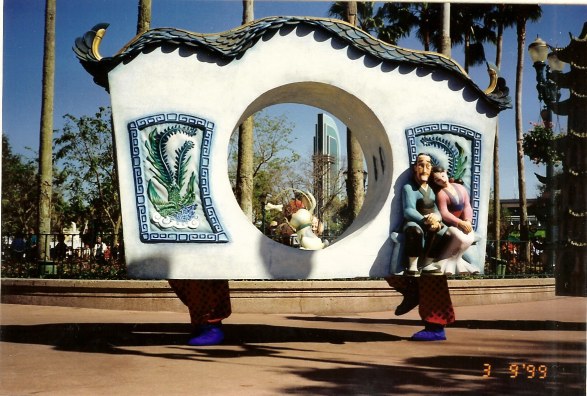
point(74, 351)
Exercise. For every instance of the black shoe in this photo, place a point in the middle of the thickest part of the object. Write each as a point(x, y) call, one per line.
point(409, 302)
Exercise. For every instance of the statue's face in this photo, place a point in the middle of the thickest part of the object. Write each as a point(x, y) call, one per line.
point(440, 178)
point(422, 169)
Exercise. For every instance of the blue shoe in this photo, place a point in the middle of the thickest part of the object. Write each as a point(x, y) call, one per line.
point(429, 335)
point(211, 334)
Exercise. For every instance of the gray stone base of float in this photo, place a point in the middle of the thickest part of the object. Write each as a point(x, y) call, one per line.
point(307, 296)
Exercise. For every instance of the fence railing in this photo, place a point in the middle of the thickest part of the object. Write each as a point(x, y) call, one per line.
point(70, 257)
point(517, 259)
point(75, 259)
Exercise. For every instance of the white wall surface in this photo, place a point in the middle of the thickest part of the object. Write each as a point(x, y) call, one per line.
point(379, 101)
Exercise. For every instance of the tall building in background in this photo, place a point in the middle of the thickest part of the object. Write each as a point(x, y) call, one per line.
point(326, 162)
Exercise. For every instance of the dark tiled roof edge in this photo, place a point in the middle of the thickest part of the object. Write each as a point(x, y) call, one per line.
point(234, 43)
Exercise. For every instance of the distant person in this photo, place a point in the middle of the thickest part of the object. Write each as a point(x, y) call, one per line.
point(60, 250)
point(115, 251)
point(32, 244)
point(18, 247)
point(99, 250)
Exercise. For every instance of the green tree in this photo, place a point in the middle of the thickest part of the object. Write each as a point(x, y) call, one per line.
point(503, 223)
point(468, 28)
point(499, 18)
point(19, 200)
point(401, 18)
point(364, 12)
point(425, 19)
point(273, 157)
point(84, 151)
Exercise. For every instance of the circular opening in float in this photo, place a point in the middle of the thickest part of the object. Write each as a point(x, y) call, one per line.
point(299, 147)
point(299, 160)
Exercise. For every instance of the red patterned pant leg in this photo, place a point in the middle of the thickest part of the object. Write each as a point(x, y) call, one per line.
point(208, 301)
point(435, 303)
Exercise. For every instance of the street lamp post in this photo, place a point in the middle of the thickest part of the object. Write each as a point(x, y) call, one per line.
point(549, 94)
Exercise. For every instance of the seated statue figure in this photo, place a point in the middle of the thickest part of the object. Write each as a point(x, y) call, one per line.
point(452, 200)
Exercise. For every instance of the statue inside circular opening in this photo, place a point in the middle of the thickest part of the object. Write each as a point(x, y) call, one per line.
point(301, 178)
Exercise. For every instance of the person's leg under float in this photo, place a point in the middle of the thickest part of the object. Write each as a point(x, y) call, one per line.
point(431, 293)
point(409, 288)
point(435, 308)
point(408, 285)
point(208, 302)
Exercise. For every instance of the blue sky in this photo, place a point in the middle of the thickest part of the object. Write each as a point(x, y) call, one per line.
point(75, 92)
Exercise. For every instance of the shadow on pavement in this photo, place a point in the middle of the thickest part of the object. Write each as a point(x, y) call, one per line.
point(450, 374)
point(106, 337)
point(454, 375)
point(522, 325)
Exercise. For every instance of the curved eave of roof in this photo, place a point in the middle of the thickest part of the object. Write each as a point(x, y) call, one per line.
point(234, 43)
point(574, 53)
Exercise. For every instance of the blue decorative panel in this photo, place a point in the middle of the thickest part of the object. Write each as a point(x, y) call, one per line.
point(170, 156)
point(456, 148)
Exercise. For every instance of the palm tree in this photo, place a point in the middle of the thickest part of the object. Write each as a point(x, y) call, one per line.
point(524, 13)
point(46, 140)
point(354, 13)
point(426, 19)
point(244, 172)
point(468, 28)
point(398, 20)
point(361, 14)
point(501, 17)
point(248, 11)
point(144, 19)
point(445, 44)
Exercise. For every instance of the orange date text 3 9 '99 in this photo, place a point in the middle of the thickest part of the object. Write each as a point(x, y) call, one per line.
point(520, 370)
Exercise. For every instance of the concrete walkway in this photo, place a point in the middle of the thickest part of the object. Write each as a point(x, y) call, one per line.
point(78, 351)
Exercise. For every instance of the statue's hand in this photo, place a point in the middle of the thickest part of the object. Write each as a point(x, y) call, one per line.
point(432, 222)
point(435, 226)
point(434, 218)
point(465, 226)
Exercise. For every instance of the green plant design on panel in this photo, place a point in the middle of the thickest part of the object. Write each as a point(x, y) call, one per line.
point(171, 174)
point(455, 154)
point(460, 163)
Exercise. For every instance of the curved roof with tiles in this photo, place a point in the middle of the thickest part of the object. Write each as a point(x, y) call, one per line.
point(232, 44)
